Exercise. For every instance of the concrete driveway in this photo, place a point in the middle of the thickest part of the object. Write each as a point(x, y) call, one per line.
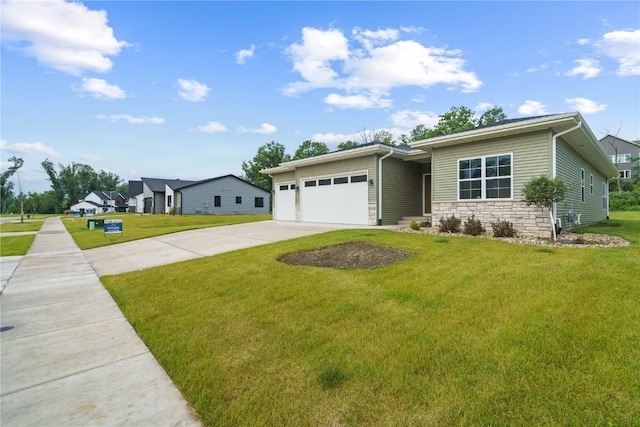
point(170, 248)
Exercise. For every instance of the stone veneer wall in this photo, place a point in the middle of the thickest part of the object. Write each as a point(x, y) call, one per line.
point(527, 220)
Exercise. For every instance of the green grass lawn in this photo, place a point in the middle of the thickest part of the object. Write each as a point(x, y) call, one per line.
point(466, 332)
point(137, 226)
point(28, 225)
point(16, 245)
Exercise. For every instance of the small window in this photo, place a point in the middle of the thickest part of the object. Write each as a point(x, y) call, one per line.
point(238, 200)
point(324, 182)
point(359, 178)
point(341, 180)
point(293, 186)
point(625, 174)
point(217, 201)
point(582, 189)
point(259, 203)
point(284, 187)
point(310, 183)
point(169, 200)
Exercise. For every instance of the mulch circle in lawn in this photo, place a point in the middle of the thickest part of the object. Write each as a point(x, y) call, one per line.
point(359, 255)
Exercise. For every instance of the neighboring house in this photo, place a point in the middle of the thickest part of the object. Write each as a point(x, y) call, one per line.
point(621, 152)
point(101, 202)
point(136, 197)
point(226, 194)
point(477, 172)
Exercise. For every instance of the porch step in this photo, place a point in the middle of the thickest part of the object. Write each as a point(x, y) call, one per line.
point(406, 220)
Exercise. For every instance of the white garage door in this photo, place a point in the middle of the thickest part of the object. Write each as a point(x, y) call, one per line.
point(285, 204)
point(340, 200)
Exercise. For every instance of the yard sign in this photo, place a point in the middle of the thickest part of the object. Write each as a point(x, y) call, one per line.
point(112, 226)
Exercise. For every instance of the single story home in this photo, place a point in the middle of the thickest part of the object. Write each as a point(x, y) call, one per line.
point(96, 202)
point(477, 172)
point(621, 152)
point(222, 195)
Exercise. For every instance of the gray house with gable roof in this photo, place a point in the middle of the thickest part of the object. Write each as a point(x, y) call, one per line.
point(223, 195)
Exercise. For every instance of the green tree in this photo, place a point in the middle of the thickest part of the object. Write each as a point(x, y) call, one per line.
point(6, 186)
point(75, 180)
point(416, 134)
point(492, 115)
point(347, 145)
point(384, 137)
point(107, 181)
point(455, 120)
point(269, 155)
point(310, 149)
point(544, 191)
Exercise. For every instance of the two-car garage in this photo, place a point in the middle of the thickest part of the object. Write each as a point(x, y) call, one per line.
point(341, 199)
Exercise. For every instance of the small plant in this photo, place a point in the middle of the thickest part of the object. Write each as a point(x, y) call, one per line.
point(503, 228)
point(414, 225)
point(473, 227)
point(172, 210)
point(425, 224)
point(449, 224)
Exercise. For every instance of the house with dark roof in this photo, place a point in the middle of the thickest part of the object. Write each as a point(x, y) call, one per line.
point(96, 202)
point(221, 195)
point(621, 152)
point(479, 172)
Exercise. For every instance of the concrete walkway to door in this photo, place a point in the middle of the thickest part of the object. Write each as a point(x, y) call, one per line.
point(170, 248)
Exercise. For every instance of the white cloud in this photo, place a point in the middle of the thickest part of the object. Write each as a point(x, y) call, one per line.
point(409, 119)
point(336, 138)
point(532, 108)
point(587, 68)
point(25, 148)
point(484, 106)
point(212, 127)
point(357, 101)
point(418, 99)
point(90, 157)
point(623, 46)
point(131, 119)
point(583, 42)
point(66, 36)
point(584, 105)
point(325, 60)
point(99, 88)
point(192, 90)
point(265, 129)
point(243, 54)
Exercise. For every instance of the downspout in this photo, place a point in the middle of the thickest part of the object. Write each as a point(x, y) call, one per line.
point(380, 184)
point(554, 144)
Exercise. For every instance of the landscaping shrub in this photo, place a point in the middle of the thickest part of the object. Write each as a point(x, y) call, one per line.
point(449, 224)
point(473, 227)
point(503, 228)
point(414, 225)
point(425, 224)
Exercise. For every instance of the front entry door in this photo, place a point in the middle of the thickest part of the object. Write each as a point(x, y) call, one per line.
point(427, 194)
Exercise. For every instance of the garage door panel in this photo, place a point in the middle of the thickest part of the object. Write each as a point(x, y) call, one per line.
point(285, 203)
point(336, 203)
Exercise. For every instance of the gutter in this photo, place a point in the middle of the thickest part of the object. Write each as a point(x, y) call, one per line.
point(380, 184)
point(554, 146)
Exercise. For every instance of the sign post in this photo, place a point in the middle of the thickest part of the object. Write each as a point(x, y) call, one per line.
point(112, 229)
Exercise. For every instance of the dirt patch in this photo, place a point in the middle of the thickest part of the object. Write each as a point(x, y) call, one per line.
point(359, 255)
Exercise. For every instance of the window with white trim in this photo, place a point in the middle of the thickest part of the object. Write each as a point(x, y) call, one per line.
point(487, 177)
point(625, 174)
point(621, 158)
point(605, 190)
point(582, 174)
point(590, 183)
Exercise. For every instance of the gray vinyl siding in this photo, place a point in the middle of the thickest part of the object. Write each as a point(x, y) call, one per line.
point(359, 164)
point(401, 190)
point(281, 178)
point(158, 203)
point(569, 164)
point(200, 198)
point(531, 157)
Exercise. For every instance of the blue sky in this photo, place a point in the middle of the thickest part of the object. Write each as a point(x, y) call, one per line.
point(190, 90)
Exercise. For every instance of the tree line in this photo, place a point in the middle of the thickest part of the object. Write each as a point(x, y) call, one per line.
point(69, 183)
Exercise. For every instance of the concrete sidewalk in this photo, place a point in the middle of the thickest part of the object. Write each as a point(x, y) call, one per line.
point(69, 357)
point(170, 248)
